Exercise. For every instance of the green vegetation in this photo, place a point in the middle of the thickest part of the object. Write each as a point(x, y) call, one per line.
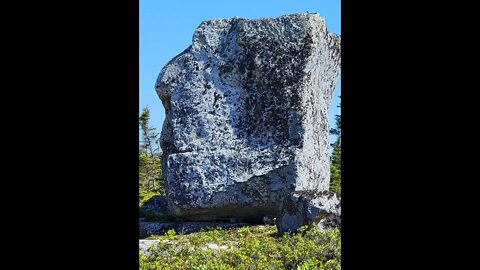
point(335, 162)
point(255, 247)
point(146, 195)
point(150, 166)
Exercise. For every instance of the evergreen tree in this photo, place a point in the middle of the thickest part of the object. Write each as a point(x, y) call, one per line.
point(335, 160)
point(149, 134)
point(338, 123)
point(150, 171)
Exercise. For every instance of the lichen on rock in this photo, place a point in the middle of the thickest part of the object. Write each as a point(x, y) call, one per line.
point(246, 115)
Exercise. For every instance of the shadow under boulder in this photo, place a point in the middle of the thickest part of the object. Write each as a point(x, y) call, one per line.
point(156, 218)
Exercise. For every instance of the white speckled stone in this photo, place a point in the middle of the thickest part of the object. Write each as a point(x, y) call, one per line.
point(246, 115)
point(144, 245)
point(313, 208)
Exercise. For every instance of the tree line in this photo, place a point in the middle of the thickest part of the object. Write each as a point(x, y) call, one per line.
point(336, 158)
point(149, 165)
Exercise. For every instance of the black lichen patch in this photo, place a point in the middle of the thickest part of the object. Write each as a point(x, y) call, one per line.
point(271, 72)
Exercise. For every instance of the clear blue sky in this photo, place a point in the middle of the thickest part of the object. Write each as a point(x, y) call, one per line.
point(166, 29)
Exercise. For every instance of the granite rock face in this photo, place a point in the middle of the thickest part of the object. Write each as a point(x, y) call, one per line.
point(156, 206)
point(313, 208)
point(246, 115)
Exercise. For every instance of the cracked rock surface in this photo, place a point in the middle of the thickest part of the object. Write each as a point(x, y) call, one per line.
point(246, 118)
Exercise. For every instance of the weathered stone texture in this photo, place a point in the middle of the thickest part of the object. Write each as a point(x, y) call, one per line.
point(246, 115)
point(313, 208)
point(156, 206)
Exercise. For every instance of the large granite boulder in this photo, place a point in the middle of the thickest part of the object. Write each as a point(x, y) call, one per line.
point(246, 115)
point(321, 209)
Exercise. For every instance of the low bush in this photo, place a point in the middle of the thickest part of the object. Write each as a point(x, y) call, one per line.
point(255, 247)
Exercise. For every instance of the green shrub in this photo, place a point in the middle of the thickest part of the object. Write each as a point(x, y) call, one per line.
point(255, 247)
